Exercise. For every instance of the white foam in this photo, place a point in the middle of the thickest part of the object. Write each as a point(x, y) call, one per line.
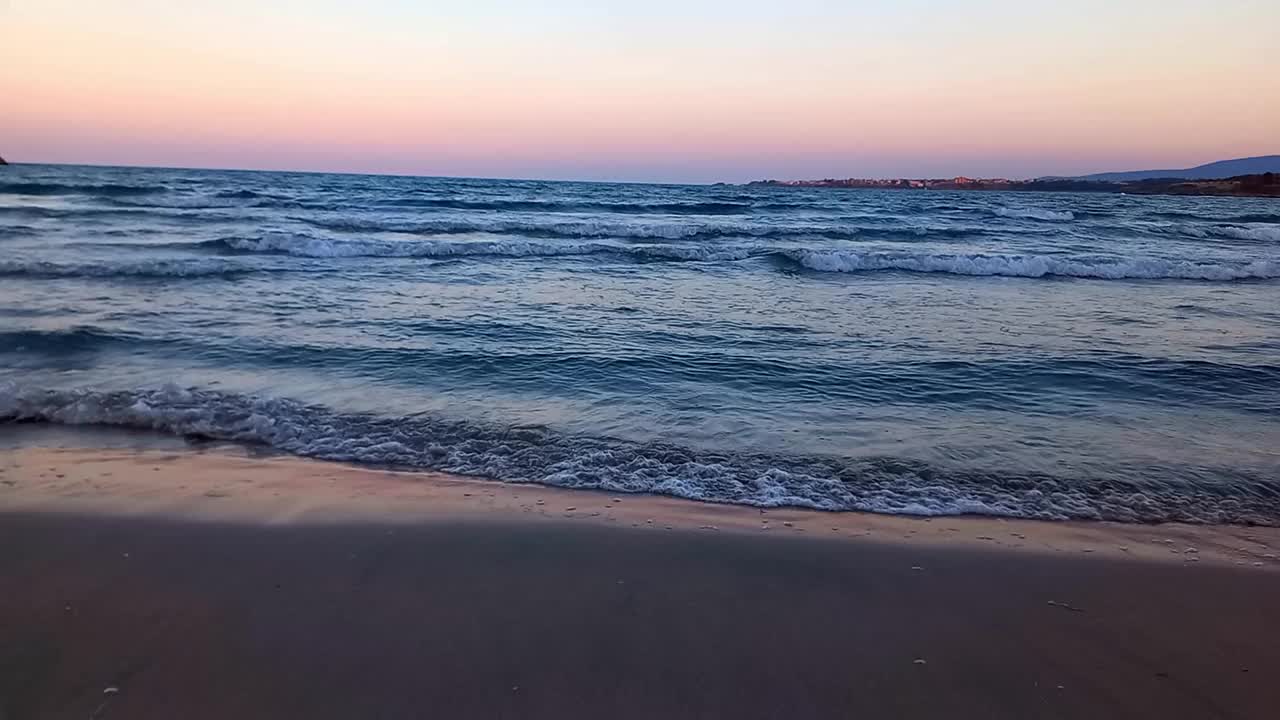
point(603, 230)
point(1033, 265)
point(563, 228)
point(520, 455)
point(1259, 233)
point(1034, 214)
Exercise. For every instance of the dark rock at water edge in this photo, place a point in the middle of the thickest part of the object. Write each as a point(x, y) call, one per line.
point(2, 162)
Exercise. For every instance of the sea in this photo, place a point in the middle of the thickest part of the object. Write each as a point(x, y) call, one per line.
point(1037, 355)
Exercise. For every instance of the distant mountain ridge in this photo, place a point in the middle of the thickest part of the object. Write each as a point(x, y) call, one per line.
point(1211, 171)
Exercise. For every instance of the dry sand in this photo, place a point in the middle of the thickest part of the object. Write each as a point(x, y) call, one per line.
point(214, 584)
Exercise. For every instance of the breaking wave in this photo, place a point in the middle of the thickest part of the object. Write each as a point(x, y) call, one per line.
point(1034, 214)
point(605, 229)
point(538, 455)
point(1264, 234)
point(816, 259)
point(543, 206)
point(1034, 266)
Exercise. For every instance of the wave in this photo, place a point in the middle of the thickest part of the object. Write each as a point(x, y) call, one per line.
point(307, 246)
point(691, 208)
point(1264, 234)
point(1034, 214)
point(1033, 266)
point(179, 202)
point(177, 268)
point(17, 230)
point(1254, 233)
point(120, 210)
point(705, 360)
point(1257, 232)
point(227, 199)
point(245, 194)
point(60, 342)
point(585, 206)
point(817, 259)
point(539, 455)
point(1273, 218)
point(598, 230)
point(103, 190)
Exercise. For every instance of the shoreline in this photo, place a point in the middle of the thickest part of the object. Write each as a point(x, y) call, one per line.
point(230, 483)
point(208, 582)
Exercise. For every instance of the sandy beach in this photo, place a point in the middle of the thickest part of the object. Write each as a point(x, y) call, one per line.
point(212, 583)
point(776, 361)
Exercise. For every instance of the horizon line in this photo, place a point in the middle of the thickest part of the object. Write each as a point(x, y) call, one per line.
point(606, 182)
point(472, 177)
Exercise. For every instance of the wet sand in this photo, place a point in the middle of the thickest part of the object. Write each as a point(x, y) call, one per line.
point(215, 584)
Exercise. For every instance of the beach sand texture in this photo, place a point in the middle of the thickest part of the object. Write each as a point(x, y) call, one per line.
point(150, 584)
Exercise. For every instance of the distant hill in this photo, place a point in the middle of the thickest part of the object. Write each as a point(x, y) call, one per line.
point(1212, 171)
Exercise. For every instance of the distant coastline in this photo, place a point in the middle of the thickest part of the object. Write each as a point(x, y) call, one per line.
point(1257, 185)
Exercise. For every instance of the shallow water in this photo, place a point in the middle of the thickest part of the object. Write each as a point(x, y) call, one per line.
point(1039, 355)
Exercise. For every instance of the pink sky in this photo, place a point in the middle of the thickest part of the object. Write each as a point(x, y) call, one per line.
point(668, 94)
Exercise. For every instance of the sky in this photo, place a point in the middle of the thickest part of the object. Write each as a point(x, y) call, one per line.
point(660, 90)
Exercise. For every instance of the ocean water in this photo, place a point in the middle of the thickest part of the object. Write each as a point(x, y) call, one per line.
point(1033, 355)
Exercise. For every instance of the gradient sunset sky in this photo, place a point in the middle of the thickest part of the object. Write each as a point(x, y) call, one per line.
point(687, 90)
